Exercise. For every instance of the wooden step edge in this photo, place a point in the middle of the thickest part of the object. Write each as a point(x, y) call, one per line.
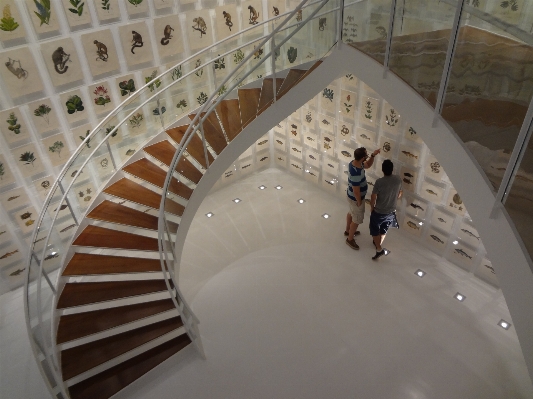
point(81, 264)
point(109, 382)
point(84, 324)
point(82, 358)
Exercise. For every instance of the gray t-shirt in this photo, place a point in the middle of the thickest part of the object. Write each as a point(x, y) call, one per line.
point(387, 188)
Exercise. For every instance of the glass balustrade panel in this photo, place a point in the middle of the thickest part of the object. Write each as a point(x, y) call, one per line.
point(420, 41)
point(365, 26)
point(489, 90)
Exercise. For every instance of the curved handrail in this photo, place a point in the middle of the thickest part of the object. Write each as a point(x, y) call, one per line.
point(50, 355)
point(195, 126)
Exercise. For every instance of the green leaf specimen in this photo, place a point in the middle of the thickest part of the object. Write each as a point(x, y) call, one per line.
point(2, 171)
point(108, 130)
point(57, 147)
point(8, 23)
point(136, 120)
point(12, 122)
point(238, 56)
point(292, 53)
point(88, 142)
point(43, 11)
point(181, 104)
point(220, 63)
point(74, 104)
point(135, 2)
point(28, 158)
point(127, 87)
point(202, 98)
point(106, 4)
point(155, 84)
point(328, 93)
point(176, 73)
point(42, 111)
point(78, 7)
point(513, 4)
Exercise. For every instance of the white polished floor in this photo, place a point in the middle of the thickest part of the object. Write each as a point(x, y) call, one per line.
point(288, 310)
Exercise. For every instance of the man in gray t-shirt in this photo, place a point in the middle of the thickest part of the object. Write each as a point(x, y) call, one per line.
point(387, 190)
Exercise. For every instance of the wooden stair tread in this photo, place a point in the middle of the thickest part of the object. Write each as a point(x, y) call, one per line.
point(153, 174)
point(213, 133)
point(109, 211)
point(109, 382)
point(230, 115)
point(78, 325)
point(248, 102)
point(90, 264)
point(195, 148)
point(313, 67)
point(267, 93)
point(78, 294)
point(164, 152)
point(134, 192)
point(292, 78)
point(95, 236)
point(79, 359)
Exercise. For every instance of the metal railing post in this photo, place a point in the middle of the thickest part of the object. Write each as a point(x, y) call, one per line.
point(111, 155)
point(341, 22)
point(273, 62)
point(201, 126)
point(449, 58)
point(68, 204)
point(388, 45)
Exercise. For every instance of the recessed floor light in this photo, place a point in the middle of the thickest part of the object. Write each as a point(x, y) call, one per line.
point(459, 297)
point(455, 242)
point(420, 273)
point(279, 187)
point(325, 216)
point(261, 187)
point(209, 214)
point(503, 324)
point(301, 201)
point(420, 223)
point(237, 200)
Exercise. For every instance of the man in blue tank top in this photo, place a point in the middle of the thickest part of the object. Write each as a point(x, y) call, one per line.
point(356, 191)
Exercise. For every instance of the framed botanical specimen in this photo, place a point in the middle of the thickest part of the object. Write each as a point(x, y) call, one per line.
point(162, 4)
point(180, 104)
point(433, 168)
point(436, 239)
point(368, 111)
point(328, 98)
point(309, 118)
point(312, 158)
point(247, 166)
point(20, 73)
point(11, 26)
point(508, 11)
point(390, 119)
point(77, 12)
point(344, 130)
point(442, 220)
point(103, 165)
point(43, 15)
point(416, 207)
point(74, 106)
point(294, 129)
point(199, 29)
point(311, 174)
point(327, 144)
point(262, 143)
point(107, 10)
point(432, 192)
point(44, 115)
point(281, 159)
point(349, 80)
point(409, 155)
point(135, 7)
point(296, 150)
point(57, 149)
point(455, 203)
point(330, 165)
point(9, 255)
point(66, 229)
point(226, 21)
point(311, 140)
point(135, 43)
point(262, 159)
point(63, 210)
point(348, 100)
point(13, 127)
point(275, 8)
point(6, 174)
point(330, 183)
point(412, 225)
point(43, 186)
point(345, 153)
point(252, 13)
point(280, 127)
point(80, 133)
point(126, 85)
point(14, 199)
point(135, 125)
point(28, 160)
point(167, 35)
point(102, 97)
point(5, 235)
point(26, 218)
point(387, 146)
point(411, 134)
point(101, 53)
point(62, 61)
point(366, 138)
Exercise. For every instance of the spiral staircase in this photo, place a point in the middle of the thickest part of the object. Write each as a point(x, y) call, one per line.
point(116, 311)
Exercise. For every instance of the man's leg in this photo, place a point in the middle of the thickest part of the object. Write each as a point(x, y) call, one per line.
point(352, 230)
point(349, 225)
point(378, 240)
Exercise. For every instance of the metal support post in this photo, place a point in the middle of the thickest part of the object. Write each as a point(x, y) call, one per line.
point(68, 204)
point(273, 62)
point(389, 35)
